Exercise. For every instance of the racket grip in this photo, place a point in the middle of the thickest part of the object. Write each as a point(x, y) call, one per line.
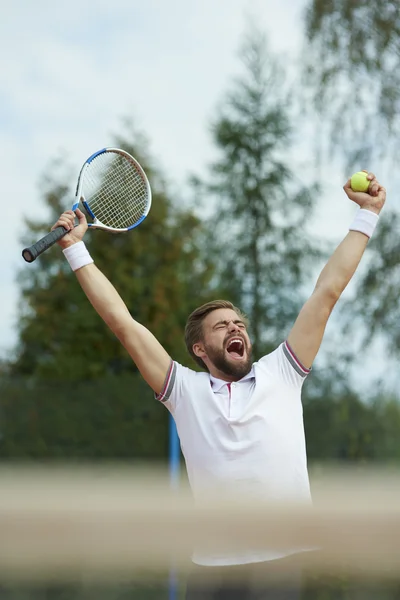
point(31, 253)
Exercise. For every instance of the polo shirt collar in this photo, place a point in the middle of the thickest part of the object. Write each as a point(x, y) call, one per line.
point(218, 384)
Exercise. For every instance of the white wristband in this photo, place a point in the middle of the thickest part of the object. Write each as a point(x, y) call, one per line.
point(78, 256)
point(365, 221)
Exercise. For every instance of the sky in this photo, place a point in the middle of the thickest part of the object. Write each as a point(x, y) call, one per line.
point(70, 72)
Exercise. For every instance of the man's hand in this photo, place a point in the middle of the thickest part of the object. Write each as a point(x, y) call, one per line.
point(372, 200)
point(67, 220)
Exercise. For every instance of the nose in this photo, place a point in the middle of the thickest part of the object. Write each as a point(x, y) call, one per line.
point(232, 327)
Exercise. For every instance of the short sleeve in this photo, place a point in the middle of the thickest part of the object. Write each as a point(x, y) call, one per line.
point(169, 382)
point(178, 383)
point(284, 364)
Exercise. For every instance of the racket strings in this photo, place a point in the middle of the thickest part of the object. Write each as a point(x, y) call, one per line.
point(116, 191)
point(120, 200)
point(120, 209)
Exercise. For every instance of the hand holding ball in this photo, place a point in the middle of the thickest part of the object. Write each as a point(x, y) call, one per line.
point(364, 189)
point(359, 182)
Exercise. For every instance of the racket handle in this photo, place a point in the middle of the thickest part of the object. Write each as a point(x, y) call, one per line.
point(31, 253)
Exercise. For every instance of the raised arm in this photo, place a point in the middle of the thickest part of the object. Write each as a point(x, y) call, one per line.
point(150, 357)
point(306, 335)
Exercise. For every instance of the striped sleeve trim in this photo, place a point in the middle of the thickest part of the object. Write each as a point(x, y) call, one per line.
point(294, 361)
point(165, 393)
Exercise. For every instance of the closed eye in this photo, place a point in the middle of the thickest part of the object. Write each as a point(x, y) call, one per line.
point(224, 324)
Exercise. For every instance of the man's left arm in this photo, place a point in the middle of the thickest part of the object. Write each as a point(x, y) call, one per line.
point(306, 335)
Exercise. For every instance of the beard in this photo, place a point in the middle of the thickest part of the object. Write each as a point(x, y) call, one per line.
point(229, 368)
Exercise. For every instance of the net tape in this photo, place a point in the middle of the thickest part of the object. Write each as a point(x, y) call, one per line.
point(63, 524)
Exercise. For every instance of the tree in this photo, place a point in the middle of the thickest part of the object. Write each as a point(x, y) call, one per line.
point(351, 65)
point(73, 391)
point(260, 207)
point(375, 308)
point(159, 269)
point(352, 74)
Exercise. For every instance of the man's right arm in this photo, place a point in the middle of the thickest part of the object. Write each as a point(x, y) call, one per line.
point(149, 356)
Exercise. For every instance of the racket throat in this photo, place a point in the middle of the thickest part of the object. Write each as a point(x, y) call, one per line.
point(87, 208)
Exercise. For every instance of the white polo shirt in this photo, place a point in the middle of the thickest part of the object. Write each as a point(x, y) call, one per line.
point(247, 435)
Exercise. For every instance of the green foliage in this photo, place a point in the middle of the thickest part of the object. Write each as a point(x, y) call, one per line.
point(158, 268)
point(73, 392)
point(346, 429)
point(260, 208)
point(343, 587)
point(114, 417)
point(375, 308)
point(352, 70)
point(91, 590)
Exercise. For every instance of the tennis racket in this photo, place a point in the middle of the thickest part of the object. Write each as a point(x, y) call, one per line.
point(114, 192)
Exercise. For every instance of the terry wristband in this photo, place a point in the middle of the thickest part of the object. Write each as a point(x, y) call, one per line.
point(78, 256)
point(365, 221)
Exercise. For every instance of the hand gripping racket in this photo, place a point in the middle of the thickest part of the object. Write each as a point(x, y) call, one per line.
point(114, 191)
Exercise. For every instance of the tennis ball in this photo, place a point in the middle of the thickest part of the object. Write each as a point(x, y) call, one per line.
point(359, 182)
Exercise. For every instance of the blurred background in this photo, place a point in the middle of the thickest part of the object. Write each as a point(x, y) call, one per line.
point(248, 117)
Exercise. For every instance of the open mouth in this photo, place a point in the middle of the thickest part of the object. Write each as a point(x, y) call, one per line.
point(235, 348)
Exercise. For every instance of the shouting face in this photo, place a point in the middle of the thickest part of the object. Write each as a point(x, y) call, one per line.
point(225, 347)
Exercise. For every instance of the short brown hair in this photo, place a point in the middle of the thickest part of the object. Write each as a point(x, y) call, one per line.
point(194, 325)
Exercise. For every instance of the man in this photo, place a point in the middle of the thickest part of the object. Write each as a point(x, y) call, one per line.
point(240, 423)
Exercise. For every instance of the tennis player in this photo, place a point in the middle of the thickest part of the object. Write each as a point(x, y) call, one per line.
point(240, 422)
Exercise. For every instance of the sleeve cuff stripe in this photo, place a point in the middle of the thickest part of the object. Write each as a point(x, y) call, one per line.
point(168, 384)
point(294, 361)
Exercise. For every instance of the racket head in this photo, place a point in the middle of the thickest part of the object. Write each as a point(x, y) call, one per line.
point(114, 190)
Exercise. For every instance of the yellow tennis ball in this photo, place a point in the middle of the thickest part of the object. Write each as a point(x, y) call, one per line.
point(359, 182)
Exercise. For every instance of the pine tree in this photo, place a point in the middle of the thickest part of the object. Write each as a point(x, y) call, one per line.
point(260, 206)
point(73, 391)
point(352, 73)
point(374, 311)
point(158, 268)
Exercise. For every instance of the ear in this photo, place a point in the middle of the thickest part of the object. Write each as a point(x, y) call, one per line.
point(198, 349)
